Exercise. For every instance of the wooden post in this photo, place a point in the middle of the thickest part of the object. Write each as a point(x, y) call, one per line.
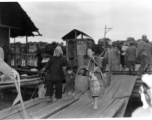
point(26, 43)
point(0, 17)
point(26, 49)
point(9, 35)
point(81, 36)
point(15, 54)
point(67, 53)
point(105, 37)
point(75, 35)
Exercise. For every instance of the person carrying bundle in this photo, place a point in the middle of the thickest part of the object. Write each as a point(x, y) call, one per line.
point(92, 70)
point(113, 57)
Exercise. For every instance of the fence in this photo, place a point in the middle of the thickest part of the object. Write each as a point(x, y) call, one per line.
point(19, 59)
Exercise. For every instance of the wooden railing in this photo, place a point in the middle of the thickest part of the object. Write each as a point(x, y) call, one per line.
point(23, 60)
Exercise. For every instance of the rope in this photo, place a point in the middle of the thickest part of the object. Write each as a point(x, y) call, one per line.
point(19, 97)
point(38, 85)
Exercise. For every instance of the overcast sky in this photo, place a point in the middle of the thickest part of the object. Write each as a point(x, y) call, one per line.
point(128, 18)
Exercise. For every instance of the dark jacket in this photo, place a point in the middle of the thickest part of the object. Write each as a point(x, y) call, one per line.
point(69, 77)
point(141, 49)
point(38, 53)
point(131, 53)
point(54, 68)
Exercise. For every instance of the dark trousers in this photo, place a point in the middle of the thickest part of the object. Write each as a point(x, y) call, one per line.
point(58, 89)
point(122, 59)
point(143, 60)
point(39, 64)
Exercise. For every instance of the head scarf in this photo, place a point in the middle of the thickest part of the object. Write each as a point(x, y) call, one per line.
point(59, 49)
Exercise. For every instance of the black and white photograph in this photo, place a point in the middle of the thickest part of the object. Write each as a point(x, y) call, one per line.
point(75, 59)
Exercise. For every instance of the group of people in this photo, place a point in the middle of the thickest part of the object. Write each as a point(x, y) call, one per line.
point(128, 55)
point(56, 75)
point(95, 67)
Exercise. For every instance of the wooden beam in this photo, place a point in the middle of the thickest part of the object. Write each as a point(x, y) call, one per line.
point(9, 35)
point(15, 54)
point(81, 36)
point(0, 17)
point(6, 26)
point(26, 43)
point(75, 35)
point(17, 108)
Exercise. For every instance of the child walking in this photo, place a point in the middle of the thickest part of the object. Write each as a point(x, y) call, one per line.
point(69, 78)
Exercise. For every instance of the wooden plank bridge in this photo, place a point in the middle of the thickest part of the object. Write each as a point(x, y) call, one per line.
point(112, 104)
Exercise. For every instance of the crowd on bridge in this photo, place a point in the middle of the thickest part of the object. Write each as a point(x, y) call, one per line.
point(94, 69)
point(128, 55)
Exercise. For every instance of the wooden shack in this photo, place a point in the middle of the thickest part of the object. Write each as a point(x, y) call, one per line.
point(76, 45)
point(14, 22)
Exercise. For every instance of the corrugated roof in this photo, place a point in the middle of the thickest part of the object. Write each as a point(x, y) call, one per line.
point(12, 14)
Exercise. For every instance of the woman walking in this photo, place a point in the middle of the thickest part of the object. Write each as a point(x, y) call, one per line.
point(96, 82)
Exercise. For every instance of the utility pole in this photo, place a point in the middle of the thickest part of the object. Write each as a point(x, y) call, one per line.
point(106, 31)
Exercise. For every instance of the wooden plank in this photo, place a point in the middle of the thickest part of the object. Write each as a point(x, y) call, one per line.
point(70, 108)
point(74, 107)
point(44, 110)
point(83, 106)
point(121, 111)
point(114, 82)
point(33, 109)
point(113, 108)
point(22, 84)
point(86, 105)
point(22, 81)
point(107, 96)
point(30, 111)
point(126, 87)
point(76, 112)
point(12, 110)
point(52, 109)
point(101, 109)
point(113, 90)
point(28, 104)
point(90, 112)
point(17, 106)
point(120, 88)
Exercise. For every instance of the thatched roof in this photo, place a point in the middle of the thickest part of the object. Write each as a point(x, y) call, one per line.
point(71, 35)
point(13, 16)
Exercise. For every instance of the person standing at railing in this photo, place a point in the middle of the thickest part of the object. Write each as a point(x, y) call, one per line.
point(39, 57)
point(55, 74)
